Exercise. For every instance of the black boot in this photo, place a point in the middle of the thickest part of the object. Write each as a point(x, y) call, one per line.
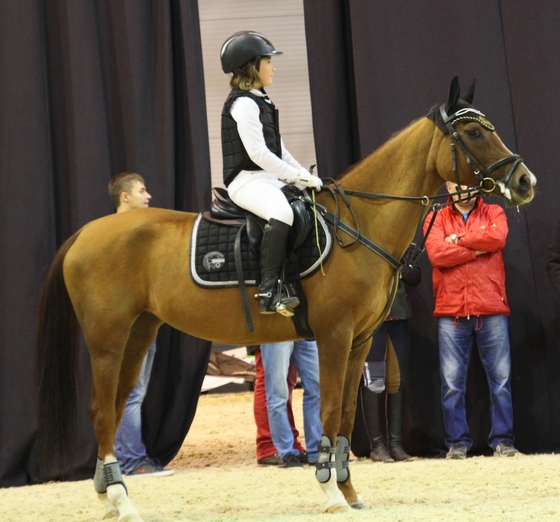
point(273, 251)
point(395, 423)
point(371, 406)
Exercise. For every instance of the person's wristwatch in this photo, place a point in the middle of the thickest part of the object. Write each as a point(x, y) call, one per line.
point(454, 238)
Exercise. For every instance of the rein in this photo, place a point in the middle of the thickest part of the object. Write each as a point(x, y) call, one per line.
point(334, 218)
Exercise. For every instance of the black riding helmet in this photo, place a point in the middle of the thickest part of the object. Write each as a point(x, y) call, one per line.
point(242, 47)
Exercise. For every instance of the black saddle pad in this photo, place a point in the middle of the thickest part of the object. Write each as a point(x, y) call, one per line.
point(213, 257)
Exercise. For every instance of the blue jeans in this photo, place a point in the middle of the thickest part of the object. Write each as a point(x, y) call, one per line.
point(276, 361)
point(375, 377)
point(456, 337)
point(129, 446)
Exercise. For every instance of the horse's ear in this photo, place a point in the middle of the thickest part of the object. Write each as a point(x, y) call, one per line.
point(469, 95)
point(453, 96)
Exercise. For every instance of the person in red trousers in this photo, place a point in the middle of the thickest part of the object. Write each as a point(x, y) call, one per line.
point(266, 452)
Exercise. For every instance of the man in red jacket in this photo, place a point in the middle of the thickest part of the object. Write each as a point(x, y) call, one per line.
point(465, 250)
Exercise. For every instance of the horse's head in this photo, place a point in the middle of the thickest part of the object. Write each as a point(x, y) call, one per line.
point(484, 159)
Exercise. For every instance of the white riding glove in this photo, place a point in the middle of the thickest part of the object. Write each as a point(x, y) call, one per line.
point(306, 179)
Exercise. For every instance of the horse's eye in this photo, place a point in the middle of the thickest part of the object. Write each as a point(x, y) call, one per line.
point(473, 132)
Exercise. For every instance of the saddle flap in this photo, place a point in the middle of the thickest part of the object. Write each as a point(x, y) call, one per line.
point(302, 222)
point(255, 231)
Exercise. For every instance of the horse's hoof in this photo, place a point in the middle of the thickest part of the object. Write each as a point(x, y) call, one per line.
point(338, 508)
point(358, 503)
point(131, 518)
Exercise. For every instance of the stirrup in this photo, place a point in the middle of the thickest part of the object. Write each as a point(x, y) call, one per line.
point(284, 310)
point(284, 306)
point(285, 302)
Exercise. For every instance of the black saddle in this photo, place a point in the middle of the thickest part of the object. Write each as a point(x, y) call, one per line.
point(225, 249)
point(224, 210)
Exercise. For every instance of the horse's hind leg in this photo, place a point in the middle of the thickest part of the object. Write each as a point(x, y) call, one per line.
point(117, 357)
point(142, 334)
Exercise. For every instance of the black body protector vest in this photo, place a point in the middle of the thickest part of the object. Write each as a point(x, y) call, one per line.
point(234, 154)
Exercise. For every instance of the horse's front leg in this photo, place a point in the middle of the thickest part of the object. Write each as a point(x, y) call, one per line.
point(349, 398)
point(338, 484)
point(332, 361)
point(326, 474)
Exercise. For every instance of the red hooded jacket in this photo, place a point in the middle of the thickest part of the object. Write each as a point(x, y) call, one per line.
point(466, 284)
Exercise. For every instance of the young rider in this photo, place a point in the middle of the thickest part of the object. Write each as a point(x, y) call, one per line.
point(256, 163)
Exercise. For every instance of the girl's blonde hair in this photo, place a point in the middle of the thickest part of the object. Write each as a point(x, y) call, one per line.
point(252, 80)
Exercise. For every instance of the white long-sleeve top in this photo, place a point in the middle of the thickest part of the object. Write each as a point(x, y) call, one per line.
point(246, 114)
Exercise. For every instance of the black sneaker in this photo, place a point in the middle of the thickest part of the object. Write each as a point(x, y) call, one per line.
point(303, 457)
point(505, 449)
point(457, 451)
point(272, 460)
point(292, 461)
point(151, 468)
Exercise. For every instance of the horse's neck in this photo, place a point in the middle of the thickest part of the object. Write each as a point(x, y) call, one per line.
point(403, 166)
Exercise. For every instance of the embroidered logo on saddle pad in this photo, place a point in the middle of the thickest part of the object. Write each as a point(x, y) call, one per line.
point(213, 253)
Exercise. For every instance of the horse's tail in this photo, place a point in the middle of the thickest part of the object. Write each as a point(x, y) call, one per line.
point(56, 369)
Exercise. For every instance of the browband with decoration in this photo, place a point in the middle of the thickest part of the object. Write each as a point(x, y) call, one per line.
point(467, 115)
point(440, 118)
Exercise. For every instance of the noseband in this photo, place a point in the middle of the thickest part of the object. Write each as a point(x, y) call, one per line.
point(487, 183)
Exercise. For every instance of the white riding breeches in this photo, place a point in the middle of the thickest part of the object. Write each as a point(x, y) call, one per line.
point(259, 192)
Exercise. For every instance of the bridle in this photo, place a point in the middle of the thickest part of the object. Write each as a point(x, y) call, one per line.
point(447, 126)
point(486, 186)
point(487, 183)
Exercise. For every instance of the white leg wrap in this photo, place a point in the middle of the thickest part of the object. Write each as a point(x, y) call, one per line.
point(336, 503)
point(116, 494)
point(110, 486)
point(110, 510)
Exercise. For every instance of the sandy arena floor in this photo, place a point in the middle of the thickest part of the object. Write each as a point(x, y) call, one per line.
point(218, 479)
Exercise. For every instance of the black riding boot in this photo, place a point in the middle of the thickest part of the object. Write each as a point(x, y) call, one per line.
point(371, 405)
point(395, 423)
point(273, 251)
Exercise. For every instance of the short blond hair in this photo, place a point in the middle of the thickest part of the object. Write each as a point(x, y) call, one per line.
point(251, 79)
point(122, 182)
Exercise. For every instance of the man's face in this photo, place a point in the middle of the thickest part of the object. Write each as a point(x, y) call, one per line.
point(137, 196)
point(453, 187)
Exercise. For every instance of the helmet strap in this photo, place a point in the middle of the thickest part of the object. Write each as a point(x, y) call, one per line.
point(240, 72)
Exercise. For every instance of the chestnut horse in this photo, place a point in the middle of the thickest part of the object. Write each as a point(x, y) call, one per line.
point(120, 277)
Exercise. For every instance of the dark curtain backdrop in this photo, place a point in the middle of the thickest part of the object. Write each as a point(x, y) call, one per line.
point(89, 88)
point(375, 67)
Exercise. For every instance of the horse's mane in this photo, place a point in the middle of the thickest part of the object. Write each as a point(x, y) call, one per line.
point(393, 136)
